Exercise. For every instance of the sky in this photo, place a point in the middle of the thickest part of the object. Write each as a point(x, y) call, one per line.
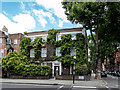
point(33, 15)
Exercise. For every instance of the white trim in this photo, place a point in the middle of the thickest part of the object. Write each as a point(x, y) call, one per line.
point(60, 67)
point(70, 69)
point(83, 31)
point(37, 35)
point(74, 32)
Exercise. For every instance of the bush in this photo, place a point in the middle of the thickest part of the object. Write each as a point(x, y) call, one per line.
point(81, 69)
point(14, 64)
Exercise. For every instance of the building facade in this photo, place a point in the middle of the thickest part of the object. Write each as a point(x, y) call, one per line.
point(48, 50)
point(9, 42)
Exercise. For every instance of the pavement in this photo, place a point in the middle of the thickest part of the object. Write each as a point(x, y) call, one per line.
point(93, 82)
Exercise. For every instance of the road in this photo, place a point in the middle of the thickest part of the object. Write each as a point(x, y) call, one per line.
point(12, 86)
point(112, 81)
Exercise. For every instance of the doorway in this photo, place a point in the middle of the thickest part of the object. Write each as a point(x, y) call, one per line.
point(56, 68)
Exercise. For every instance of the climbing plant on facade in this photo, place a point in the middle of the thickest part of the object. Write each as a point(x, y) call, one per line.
point(66, 44)
point(37, 44)
point(25, 44)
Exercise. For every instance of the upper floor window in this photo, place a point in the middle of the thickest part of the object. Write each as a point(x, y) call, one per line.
point(58, 51)
point(58, 37)
point(44, 38)
point(72, 53)
point(43, 53)
point(32, 39)
point(73, 37)
point(15, 50)
point(0, 40)
point(15, 41)
point(1, 53)
point(44, 63)
point(32, 53)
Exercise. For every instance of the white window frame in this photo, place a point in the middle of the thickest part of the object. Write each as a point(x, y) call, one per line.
point(32, 39)
point(71, 68)
point(73, 37)
point(15, 41)
point(15, 50)
point(73, 52)
point(2, 53)
point(0, 40)
point(58, 51)
point(44, 63)
point(44, 52)
point(32, 53)
point(58, 37)
point(44, 38)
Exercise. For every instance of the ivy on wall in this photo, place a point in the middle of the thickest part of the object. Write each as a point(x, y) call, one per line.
point(66, 44)
point(25, 44)
point(37, 44)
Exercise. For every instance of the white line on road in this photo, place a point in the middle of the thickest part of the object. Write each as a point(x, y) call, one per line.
point(60, 87)
point(83, 87)
point(26, 84)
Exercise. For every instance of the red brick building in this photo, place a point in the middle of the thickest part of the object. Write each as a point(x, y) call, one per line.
point(48, 50)
point(9, 42)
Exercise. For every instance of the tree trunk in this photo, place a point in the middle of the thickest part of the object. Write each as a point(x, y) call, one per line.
point(86, 43)
point(98, 69)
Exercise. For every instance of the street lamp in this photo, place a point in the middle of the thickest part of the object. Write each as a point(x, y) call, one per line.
point(73, 69)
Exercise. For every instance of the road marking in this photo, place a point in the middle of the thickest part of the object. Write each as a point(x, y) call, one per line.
point(60, 87)
point(83, 87)
point(26, 84)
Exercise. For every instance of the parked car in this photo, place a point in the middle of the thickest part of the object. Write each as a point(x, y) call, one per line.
point(103, 74)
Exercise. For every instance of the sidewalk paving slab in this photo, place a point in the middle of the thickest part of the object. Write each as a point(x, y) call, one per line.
point(92, 82)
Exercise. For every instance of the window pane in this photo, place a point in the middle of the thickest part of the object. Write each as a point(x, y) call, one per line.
point(73, 36)
point(58, 51)
point(0, 40)
point(15, 41)
point(44, 38)
point(43, 54)
point(32, 53)
point(72, 52)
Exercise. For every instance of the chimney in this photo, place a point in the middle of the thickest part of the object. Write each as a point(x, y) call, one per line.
point(5, 29)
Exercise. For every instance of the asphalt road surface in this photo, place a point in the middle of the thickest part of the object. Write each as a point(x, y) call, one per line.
point(12, 86)
point(112, 81)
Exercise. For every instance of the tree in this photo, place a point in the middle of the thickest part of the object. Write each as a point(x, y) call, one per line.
point(91, 15)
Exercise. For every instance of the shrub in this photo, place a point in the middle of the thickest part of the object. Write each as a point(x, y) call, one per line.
point(81, 69)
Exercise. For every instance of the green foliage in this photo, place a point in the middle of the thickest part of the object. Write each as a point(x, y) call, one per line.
point(81, 69)
point(25, 44)
point(37, 44)
point(66, 44)
point(52, 36)
point(14, 64)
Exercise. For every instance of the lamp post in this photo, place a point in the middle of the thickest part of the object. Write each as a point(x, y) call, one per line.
point(73, 71)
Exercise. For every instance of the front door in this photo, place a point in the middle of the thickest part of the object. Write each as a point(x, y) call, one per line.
point(56, 68)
